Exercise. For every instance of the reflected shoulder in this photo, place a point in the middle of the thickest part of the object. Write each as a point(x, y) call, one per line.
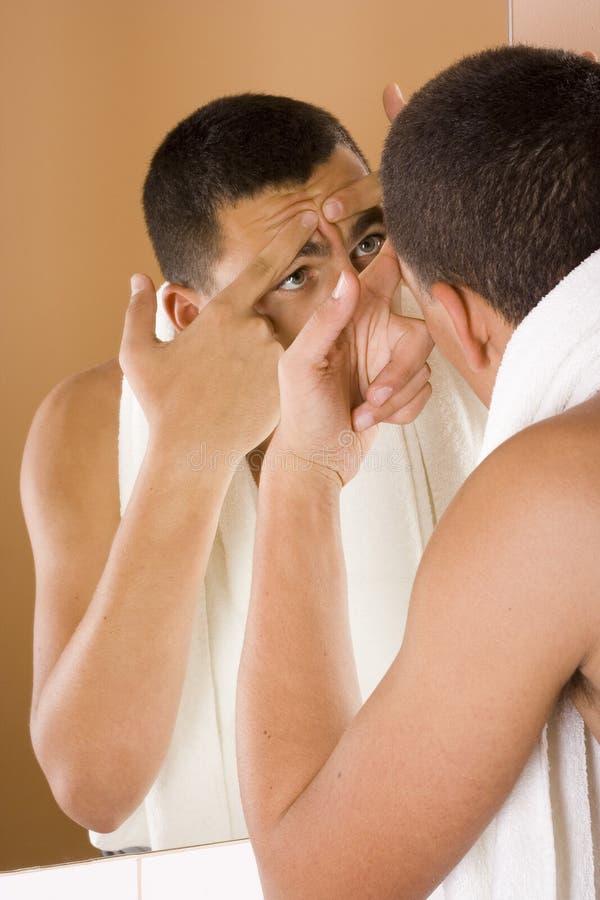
point(74, 432)
point(84, 398)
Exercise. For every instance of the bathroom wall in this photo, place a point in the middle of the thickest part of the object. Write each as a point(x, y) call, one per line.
point(87, 90)
point(218, 872)
point(553, 23)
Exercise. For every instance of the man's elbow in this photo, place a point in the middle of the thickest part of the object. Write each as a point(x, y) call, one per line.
point(87, 809)
point(96, 803)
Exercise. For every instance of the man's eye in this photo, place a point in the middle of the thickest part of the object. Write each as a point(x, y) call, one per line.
point(294, 281)
point(369, 245)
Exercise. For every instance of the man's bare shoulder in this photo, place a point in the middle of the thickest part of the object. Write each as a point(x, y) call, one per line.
point(99, 384)
point(556, 465)
point(74, 433)
point(554, 462)
point(531, 512)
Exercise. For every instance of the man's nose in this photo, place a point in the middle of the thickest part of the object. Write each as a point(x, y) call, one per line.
point(339, 257)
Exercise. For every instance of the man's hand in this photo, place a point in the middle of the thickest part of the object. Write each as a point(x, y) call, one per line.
point(366, 192)
point(392, 350)
point(217, 380)
point(318, 384)
point(353, 347)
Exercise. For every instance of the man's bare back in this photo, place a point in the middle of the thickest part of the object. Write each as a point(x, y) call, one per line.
point(579, 428)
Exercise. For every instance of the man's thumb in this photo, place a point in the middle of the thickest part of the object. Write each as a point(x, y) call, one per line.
point(328, 321)
point(139, 330)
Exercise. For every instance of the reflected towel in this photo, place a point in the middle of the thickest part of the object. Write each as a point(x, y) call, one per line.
point(388, 513)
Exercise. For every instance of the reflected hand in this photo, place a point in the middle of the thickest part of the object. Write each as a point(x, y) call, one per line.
point(217, 380)
point(392, 350)
point(366, 192)
point(351, 347)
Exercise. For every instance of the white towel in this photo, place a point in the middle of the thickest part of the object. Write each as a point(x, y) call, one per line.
point(388, 513)
point(543, 844)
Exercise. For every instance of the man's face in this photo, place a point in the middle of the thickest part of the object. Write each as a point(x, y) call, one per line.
point(249, 225)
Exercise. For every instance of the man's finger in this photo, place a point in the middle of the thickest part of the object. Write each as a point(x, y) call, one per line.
point(393, 101)
point(140, 318)
point(356, 198)
point(364, 417)
point(383, 276)
point(326, 324)
point(366, 192)
point(268, 268)
point(409, 413)
point(408, 356)
point(394, 400)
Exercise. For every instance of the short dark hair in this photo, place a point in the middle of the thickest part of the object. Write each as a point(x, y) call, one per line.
point(232, 148)
point(491, 175)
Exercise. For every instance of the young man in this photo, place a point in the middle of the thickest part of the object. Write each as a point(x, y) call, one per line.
point(139, 623)
point(484, 732)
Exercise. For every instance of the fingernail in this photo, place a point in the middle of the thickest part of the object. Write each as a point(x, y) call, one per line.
point(138, 283)
point(363, 420)
point(309, 219)
point(340, 287)
point(380, 395)
point(398, 91)
point(332, 210)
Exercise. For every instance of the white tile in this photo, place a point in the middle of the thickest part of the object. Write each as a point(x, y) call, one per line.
point(217, 872)
point(103, 879)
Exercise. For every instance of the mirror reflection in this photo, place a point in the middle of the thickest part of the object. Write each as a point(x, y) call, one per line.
point(138, 630)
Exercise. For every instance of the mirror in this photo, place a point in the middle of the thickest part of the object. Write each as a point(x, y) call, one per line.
point(90, 90)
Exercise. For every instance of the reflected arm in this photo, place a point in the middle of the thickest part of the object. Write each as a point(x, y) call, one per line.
point(114, 599)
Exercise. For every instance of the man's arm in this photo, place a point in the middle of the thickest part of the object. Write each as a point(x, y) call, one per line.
point(114, 600)
point(384, 805)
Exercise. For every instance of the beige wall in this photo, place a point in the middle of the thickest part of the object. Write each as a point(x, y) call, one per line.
point(573, 25)
point(88, 90)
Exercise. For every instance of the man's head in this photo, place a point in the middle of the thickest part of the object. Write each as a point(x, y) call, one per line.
point(227, 177)
point(491, 182)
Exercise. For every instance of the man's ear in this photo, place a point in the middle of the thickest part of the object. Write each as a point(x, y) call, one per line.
point(469, 325)
point(182, 304)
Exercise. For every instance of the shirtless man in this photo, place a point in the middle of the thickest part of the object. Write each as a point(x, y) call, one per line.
point(115, 600)
point(492, 195)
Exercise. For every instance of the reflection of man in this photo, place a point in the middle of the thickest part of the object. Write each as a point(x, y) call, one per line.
point(139, 624)
point(484, 731)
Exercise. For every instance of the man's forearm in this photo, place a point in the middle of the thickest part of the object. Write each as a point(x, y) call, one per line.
point(297, 689)
point(105, 716)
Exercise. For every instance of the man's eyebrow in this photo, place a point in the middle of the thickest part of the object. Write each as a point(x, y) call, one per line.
point(313, 248)
point(373, 216)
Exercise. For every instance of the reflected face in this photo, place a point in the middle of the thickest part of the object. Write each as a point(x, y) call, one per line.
point(248, 227)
